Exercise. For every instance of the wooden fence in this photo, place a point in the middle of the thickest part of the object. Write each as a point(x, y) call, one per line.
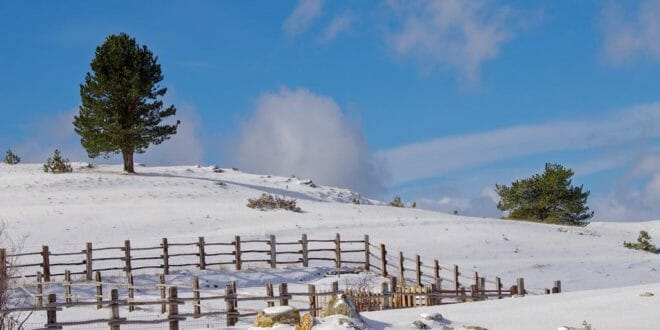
point(410, 281)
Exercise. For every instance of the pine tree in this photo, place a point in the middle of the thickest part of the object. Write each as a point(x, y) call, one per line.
point(122, 107)
point(547, 197)
point(57, 164)
point(396, 202)
point(11, 158)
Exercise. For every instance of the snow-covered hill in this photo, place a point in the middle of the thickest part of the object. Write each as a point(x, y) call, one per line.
point(103, 205)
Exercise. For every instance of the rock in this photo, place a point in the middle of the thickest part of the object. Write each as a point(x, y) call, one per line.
point(278, 314)
point(646, 294)
point(432, 316)
point(306, 323)
point(340, 305)
point(420, 325)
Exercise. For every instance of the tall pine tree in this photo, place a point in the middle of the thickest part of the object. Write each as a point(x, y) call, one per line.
point(122, 107)
point(547, 197)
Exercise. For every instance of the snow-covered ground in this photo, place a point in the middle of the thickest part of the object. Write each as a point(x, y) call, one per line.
point(104, 206)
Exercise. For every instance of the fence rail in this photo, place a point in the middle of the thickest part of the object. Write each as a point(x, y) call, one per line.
point(411, 281)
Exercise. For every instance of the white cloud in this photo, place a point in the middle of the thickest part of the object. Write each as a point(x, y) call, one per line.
point(305, 13)
point(443, 155)
point(302, 133)
point(452, 33)
point(340, 24)
point(628, 36)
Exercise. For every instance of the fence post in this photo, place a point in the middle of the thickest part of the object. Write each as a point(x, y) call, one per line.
point(335, 286)
point(383, 260)
point(127, 256)
point(284, 292)
point(131, 293)
point(386, 295)
point(269, 293)
point(402, 270)
point(99, 290)
point(4, 275)
point(498, 287)
point(237, 252)
point(338, 251)
point(393, 290)
point(229, 302)
point(202, 254)
point(273, 252)
point(40, 290)
point(51, 313)
point(166, 257)
point(557, 286)
point(305, 254)
point(67, 286)
point(46, 262)
point(163, 308)
point(482, 285)
point(114, 310)
point(418, 270)
point(173, 309)
point(197, 309)
point(89, 270)
point(367, 252)
point(436, 272)
point(311, 289)
point(457, 286)
point(520, 284)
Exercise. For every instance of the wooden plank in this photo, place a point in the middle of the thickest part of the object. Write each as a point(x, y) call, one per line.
point(114, 310)
point(99, 290)
point(40, 291)
point(418, 270)
point(202, 255)
point(162, 293)
point(402, 269)
point(173, 309)
point(51, 313)
point(337, 251)
point(498, 286)
point(305, 252)
point(45, 254)
point(283, 292)
point(367, 252)
point(273, 252)
point(67, 287)
point(197, 309)
point(383, 260)
point(237, 251)
point(269, 293)
point(127, 257)
point(131, 293)
point(457, 286)
point(166, 257)
point(229, 294)
point(311, 289)
point(89, 270)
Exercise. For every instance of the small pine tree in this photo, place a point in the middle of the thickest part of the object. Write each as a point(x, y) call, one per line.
point(643, 243)
point(57, 164)
point(11, 158)
point(396, 202)
point(414, 205)
point(548, 197)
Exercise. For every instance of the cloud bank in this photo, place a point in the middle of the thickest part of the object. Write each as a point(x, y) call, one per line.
point(630, 36)
point(452, 33)
point(305, 13)
point(302, 133)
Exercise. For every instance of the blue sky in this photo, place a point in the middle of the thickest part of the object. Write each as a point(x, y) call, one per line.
point(433, 100)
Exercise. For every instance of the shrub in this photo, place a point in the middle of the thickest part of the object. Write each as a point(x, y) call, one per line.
point(269, 202)
point(12, 158)
point(57, 164)
point(643, 243)
point(396, 202)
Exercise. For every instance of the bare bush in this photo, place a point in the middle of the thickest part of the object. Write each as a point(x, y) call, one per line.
point(9, 246)
point(270, 202)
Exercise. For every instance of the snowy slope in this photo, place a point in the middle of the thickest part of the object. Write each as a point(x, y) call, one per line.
point(102, 205)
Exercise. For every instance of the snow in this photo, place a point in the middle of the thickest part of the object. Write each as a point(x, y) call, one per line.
point(104, 206)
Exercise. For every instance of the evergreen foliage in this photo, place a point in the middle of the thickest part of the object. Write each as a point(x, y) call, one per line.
point(547, 197)
point(643, 243)
point(396, 202)
point(57, 164)
point(11, 158)
point(122, 107)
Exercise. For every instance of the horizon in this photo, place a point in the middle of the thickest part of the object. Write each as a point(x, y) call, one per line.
point(433, 101)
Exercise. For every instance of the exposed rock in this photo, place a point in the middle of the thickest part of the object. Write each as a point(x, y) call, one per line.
point(340, 305)
point(278, 314)
point(420, 325)
point(646, 294)
point(432, 316)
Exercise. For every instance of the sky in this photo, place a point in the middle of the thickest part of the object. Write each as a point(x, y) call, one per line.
point(435, 101)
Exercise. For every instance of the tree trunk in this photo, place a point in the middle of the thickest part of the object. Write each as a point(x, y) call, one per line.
point(128, 161)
